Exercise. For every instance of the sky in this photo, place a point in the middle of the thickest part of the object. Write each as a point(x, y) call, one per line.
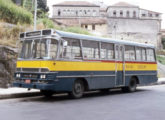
point(153, 5)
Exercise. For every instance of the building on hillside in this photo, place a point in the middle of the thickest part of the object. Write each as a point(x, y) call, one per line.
point(120, 21)
point(163, 37)
point(79, 13)
point(74, 9)
point(126, 21)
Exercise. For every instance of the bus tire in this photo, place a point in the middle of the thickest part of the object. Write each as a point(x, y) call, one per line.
point(47, 93)
point(77, 89)
point(132, 86)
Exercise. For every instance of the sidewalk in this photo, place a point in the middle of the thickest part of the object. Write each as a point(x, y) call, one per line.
point(161, 81)
point(17, 93)
point(22, 92)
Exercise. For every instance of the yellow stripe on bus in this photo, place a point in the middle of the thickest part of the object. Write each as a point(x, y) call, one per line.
point(85, 66)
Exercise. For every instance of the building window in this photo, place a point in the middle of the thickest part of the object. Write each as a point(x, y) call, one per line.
point(93, 27)
point(143, 15)
point(134, 14)
point(76, 13)
point(127, 14)
point(150, 15)
point(85, 12)
point(156, 15)
point(121, 13)
point(59, 13)
point(114, 13)
point(86, 26)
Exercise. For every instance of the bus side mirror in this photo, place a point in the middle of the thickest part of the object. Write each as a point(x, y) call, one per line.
point(65, 43)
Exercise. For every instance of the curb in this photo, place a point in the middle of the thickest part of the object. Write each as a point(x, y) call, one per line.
point(19, 95)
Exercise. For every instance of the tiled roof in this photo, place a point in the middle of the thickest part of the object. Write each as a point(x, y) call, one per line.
point(150, 11)
point(76, 3)
point(83, 21)
point(124, 4)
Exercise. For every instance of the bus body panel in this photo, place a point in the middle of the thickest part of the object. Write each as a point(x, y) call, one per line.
point(98, 74)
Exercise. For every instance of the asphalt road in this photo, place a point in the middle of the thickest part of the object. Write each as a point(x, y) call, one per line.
point(148, 103)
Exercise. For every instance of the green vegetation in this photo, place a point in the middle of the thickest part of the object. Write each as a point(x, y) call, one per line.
point(9, 36)
point(161, 59)
point(76, 30)
point(46, 22)
point(11, 13)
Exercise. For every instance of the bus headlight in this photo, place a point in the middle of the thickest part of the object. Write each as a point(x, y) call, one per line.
point(18, 75)
point(42, 76)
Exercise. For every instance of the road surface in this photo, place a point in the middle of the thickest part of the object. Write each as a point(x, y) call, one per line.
point(148, 103)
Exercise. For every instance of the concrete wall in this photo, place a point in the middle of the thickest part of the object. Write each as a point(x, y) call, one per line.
point(100, 29)
point(139, 30)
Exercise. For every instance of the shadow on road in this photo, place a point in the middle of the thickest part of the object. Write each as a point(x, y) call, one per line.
point(87, 95)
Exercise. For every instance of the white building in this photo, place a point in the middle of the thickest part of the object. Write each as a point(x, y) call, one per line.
point(121, 20)
point(126, 21)
point(72, 9)
point(80, 13)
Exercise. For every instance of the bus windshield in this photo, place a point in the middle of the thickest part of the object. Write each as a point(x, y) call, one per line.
point(39, 49)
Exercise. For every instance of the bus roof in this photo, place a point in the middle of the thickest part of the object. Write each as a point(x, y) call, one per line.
point(95, 38)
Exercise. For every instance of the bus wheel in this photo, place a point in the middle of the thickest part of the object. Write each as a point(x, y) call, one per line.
point(77, 90)
point(131, 87)
point(47, 93)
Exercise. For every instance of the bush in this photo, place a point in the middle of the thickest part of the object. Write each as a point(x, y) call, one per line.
point(10, 35)
point(46, 22)
point(76, 30)
point(161, 59)
point(50, 24)
point(11, 13)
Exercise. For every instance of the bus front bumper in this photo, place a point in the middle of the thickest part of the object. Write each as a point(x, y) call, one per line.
point(34, 86)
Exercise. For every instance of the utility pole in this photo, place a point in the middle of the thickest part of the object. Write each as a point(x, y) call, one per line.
point(35, 14)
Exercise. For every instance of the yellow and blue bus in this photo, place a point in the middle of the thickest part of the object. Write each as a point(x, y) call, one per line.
point(56, 61)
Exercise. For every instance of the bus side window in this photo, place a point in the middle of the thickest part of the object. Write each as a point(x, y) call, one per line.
point(72, 50)
point(143, 54)
point(53, 49)
point(90, 49)
point(107, 51)
point(150, 55)
point(138, 54)
point(129, 53)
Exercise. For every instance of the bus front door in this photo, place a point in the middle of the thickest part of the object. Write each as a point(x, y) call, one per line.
point(119, 65)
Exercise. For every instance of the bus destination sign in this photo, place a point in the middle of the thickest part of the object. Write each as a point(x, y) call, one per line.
point(36, 33)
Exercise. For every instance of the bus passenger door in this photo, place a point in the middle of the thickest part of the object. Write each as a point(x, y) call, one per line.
point(119, 65)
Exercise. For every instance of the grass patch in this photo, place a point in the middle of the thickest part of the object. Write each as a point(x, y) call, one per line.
point(161, 59)
point(11, 13)
point(78, 30)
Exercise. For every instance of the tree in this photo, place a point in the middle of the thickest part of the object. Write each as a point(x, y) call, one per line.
point(42, 4)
